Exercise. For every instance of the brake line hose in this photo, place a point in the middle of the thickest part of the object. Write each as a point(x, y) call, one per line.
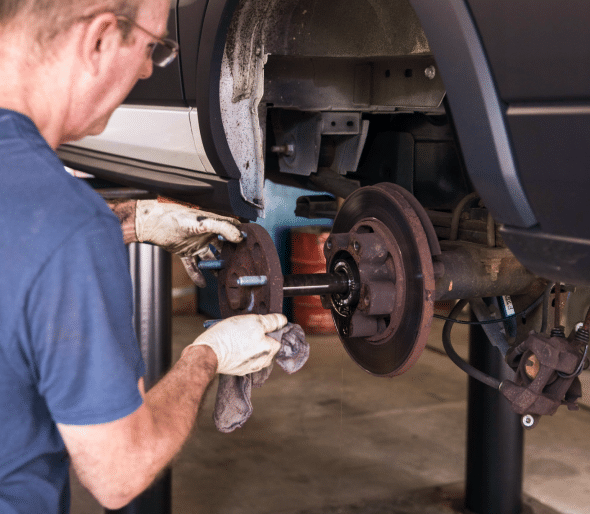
point(466, 367)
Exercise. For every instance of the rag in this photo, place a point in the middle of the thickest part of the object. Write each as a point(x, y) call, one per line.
point(233, 405)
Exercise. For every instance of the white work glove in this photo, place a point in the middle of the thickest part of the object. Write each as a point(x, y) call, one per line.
point(183, 230)
point(241, 344)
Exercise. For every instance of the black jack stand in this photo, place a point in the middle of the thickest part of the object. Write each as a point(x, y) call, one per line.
point(495, 440)
point(150, 268)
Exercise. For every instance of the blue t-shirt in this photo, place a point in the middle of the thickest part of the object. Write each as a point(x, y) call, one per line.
point(68, 351)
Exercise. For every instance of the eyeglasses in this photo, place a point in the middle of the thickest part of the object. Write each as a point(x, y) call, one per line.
point(163, 52)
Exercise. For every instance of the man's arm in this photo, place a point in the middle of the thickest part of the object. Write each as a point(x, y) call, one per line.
point(116, 461)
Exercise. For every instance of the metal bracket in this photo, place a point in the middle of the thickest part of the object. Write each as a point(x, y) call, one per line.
point(299, 138)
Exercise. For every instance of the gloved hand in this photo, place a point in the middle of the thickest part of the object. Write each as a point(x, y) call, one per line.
point(184, 231)
point(241, 344)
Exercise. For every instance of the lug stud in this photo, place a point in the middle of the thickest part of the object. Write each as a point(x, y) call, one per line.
point(251, 281)
point(211, 265)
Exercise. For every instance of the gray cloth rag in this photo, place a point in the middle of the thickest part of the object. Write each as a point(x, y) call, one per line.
point(233, 406)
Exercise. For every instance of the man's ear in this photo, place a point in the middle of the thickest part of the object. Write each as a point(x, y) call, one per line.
point(100, 43)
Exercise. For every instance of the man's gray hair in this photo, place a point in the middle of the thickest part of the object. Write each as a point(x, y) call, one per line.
point(54, 17)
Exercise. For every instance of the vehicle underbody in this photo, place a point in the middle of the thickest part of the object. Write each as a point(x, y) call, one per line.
point(346, 98)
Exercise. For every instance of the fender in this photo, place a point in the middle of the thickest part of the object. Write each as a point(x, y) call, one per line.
point(476, 109)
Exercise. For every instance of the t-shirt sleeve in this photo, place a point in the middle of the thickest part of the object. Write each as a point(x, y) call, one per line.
point(79, 312)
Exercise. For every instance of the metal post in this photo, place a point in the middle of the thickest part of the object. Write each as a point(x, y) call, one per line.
point(494, 437)
point(150, 269)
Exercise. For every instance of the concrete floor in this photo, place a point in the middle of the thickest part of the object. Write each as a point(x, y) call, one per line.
point(332, 439)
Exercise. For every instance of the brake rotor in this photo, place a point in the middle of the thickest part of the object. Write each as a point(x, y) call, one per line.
point(379, 242)
point(255, 255)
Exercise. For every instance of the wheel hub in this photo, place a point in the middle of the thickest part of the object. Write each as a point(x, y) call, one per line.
point(256, 255)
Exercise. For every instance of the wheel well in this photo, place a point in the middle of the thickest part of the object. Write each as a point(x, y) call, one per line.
point(342, 61)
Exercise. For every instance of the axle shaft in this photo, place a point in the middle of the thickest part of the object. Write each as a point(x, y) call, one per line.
point(314, 284)
point(468, 271)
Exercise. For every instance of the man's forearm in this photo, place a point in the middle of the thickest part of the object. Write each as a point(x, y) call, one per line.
point(173, 404)
point(175, 400)
point(125, 211)
point(134, 449)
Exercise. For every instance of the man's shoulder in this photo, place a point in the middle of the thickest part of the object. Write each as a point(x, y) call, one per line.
point(35, 182)
point(14, 124)
point(41, 204)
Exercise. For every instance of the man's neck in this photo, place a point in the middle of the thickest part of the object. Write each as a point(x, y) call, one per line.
point(35, 91)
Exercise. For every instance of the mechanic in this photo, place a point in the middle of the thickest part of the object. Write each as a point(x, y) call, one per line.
point(70, 367)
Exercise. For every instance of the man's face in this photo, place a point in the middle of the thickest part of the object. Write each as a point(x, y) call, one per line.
point(133, 63)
